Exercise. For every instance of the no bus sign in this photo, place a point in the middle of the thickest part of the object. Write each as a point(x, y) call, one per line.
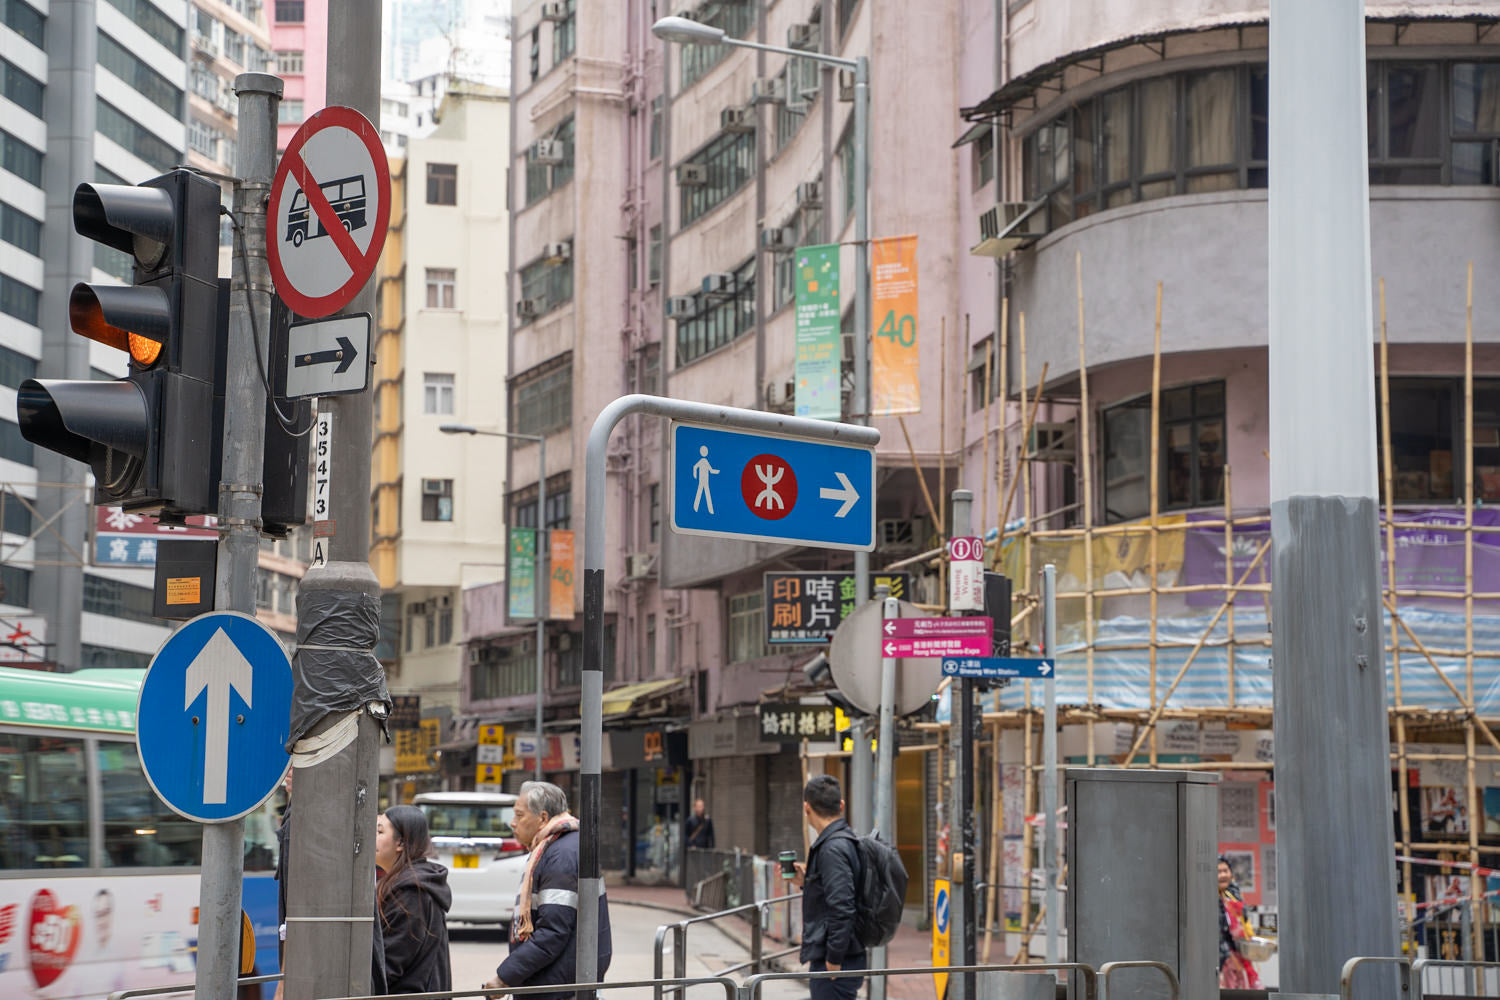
point(329, 208)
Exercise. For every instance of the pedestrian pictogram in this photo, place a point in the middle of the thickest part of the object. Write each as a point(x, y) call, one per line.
point(329, 207)
point(798, 490)
point(773, 486)
point(214, 717)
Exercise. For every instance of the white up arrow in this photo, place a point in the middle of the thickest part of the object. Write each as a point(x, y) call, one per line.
point(218, 667)
point(846, 492)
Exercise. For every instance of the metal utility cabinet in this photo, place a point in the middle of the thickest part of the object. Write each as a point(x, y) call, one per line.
point(1142, 876)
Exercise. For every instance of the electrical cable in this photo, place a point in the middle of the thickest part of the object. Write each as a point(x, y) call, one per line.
point(286, 422)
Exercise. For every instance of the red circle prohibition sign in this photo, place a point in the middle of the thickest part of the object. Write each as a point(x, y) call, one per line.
point(361, 264)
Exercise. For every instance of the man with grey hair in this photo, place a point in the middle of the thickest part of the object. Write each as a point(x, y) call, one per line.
point(543, 935)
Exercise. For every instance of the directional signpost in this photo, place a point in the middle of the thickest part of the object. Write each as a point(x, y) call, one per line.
point(214, 716)
point(936, 637)
point(1004, 667)
point(321, 355)
point(770, 487)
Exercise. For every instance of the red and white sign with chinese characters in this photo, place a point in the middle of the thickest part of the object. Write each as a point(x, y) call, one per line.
point(123, 538)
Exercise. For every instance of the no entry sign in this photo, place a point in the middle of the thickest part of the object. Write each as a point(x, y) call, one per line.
point(330, 205)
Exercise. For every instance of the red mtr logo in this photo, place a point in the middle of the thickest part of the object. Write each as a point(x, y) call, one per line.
point(769, 487)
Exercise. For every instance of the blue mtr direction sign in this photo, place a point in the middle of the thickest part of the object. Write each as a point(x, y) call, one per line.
point(1025, 668)
point(770, 487)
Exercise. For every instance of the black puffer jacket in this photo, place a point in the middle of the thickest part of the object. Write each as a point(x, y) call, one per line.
point(829, 897)
point(414, 925)
point(550, 955)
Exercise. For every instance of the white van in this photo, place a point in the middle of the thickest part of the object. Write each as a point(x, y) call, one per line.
point(471, 832)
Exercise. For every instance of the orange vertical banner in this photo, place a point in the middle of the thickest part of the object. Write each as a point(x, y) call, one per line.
point(893, 317)
point(560, 566)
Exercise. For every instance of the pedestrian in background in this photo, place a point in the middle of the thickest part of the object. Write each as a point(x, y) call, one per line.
point(829, 896)
point(1235, 970)
point(700, 828)
point(544, 933)
point(412, 897)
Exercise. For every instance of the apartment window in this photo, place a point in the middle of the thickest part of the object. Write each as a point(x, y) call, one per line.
point(1192, 451)
point(721, 319)
point(25, 20)
point(653, 255)
point(442, 184)
point(730, 163)
point(115, 125)
point(131, 69)
point(15, 518)
point(655, 513)
point(289, 63)
point(289, 11)
point(984, 158)
point(846, 9)
point(20, 159)
point(289, 113)
point(846, 173)
point(117, 600)
point(648, 369)
point(437, 500)
point(736, 17)
point(203, 138)
point(441, 285)
point(504, 672)
point(18, 300)
point(546, 285)
point(234, 46)
point(747, 627)
point(15, 586)
point(1428, 449)
point(21, 87)
point(429, 622)
point(559, 504)
point(204, 82)
point(565, 33)
point(15, 367)
point(542, 179)
point(437, 393)
point(445, 625)
point(542, 398)
point(536, 53)
point(1475, 122)
point(261, 59)
point(154, 21)
point(20, 230)
point(15, 447)
point(649, 652)
point(983, 363)
point(806, 224)
point(656, 114)
point(801, 80)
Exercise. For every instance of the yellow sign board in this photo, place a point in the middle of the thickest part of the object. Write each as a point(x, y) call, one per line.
point(940, 925)
point(414, 747)
point(508, 761)
point(841, 725)
point(492, 735)
point(487, 774)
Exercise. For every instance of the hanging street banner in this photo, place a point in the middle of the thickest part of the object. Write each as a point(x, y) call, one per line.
point(520, 573)
point(893, 318)
point(816, 376)
point(792, 723)
point(809, 607)
point(560, 564)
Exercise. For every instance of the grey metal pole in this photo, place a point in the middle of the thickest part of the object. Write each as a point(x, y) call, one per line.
point(331, 896)
point(885, 780)
point(591, 735)
point(544, 594)
point(239, 496)
point(1049, 761)
point(861, 400)
point(861, 777)
point(1334, 847)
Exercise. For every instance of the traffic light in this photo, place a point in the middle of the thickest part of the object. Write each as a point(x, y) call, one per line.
point(152, 437)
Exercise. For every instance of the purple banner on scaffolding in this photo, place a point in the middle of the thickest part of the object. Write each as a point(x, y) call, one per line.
point(1429, 553)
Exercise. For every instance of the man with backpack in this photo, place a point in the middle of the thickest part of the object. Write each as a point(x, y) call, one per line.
point(830, 882)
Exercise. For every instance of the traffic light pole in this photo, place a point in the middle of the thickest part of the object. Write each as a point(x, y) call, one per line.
point(331, 894)
point(240, 494)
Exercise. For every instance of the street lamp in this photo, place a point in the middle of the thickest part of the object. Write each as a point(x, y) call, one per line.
point(687, 31)
point(542, 552)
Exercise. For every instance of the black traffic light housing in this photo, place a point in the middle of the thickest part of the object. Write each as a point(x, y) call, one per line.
point(151, 438)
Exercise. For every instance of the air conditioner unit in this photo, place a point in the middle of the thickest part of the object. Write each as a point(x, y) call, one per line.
point(800, 35)
point(554, 11)
point(737, 119)
point(780, 394)
point(528, 308)
point(548, 153)
point(681, 307)
point(692, 174)
point(557, 253)
point(898, 534)
point(1021, 224)
point(432, 487)
point(846, 85)
point(637, 565)
point(810, 195)
point(779, 240)
point(718, 284)
point(772, 91)
point(1054, 442)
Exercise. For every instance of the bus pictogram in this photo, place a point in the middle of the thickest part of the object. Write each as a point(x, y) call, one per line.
point(346, 196)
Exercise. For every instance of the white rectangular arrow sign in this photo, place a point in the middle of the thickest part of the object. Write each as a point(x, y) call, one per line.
point(327, 357)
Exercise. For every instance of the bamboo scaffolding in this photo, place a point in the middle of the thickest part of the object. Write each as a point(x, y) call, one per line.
point(1085, 461)
point(1004, 394)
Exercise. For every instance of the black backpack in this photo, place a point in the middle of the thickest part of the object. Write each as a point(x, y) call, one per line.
point(880, 890)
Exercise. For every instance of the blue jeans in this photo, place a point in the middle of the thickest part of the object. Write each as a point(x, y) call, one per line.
point(843, 988)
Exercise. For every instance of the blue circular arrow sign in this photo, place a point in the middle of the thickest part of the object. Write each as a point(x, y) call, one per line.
point(942, 911)
point(214, 717)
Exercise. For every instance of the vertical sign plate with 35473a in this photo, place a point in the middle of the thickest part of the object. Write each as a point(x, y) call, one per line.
point(322, 484)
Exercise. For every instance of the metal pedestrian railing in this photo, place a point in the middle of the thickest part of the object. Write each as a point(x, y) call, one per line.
point(1110, 968)
point(1475, 979)
point(678, 931)
point(168, 991)
point(750, 990)
point(729, 985)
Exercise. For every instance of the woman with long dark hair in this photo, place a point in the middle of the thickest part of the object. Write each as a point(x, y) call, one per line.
point(412, 896)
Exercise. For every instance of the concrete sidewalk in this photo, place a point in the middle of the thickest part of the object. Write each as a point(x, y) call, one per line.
point(909, 949)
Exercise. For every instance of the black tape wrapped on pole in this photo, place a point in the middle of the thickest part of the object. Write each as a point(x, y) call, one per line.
point(334, 670)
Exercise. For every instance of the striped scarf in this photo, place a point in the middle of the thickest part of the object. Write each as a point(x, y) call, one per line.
point(520, 928)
